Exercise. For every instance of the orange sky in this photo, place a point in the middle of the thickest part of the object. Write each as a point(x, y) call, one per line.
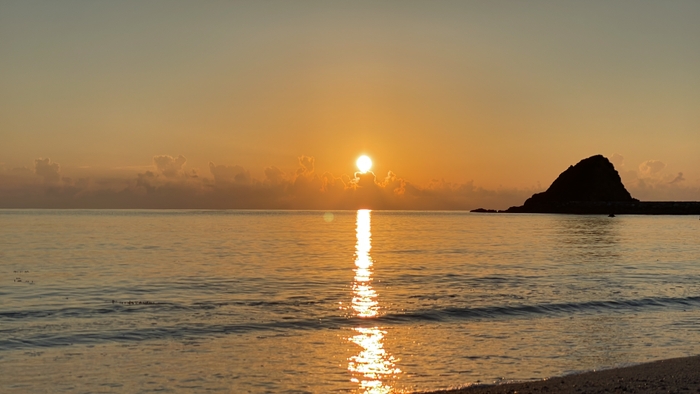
point(501, 96)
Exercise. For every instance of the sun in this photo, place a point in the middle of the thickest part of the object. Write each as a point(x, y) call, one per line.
point(364, 163)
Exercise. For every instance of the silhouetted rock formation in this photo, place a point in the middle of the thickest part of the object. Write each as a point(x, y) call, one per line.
point(593, 186)
point(591, 180)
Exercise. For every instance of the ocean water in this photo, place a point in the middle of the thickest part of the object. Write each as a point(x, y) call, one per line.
point(352, 301)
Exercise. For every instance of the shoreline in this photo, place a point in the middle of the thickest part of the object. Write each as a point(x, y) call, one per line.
point(675, 375)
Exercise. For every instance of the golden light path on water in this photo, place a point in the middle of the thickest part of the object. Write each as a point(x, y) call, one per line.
point(373, 363)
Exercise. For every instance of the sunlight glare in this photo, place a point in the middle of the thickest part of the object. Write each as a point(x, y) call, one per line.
point(373, 365)
point(364, 163)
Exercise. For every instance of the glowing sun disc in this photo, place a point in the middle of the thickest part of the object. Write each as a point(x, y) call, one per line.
point(364, 163)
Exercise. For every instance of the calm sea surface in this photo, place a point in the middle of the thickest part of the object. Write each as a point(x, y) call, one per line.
point(357, 302)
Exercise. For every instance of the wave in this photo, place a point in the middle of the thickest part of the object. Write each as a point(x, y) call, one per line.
point(494, 312)
point(153, 307)
point(207, 329)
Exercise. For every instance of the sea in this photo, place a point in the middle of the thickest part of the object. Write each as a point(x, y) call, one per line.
point(240, 301)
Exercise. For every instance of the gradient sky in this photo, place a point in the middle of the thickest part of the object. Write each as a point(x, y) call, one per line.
point(502, 96)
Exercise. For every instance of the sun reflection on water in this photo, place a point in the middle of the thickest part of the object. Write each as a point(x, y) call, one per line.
point(373, 364)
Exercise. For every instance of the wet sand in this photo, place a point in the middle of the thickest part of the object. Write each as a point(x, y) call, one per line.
point(678, 375)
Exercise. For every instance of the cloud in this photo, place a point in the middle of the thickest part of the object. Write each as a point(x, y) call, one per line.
point(169, 166)
point(651, 167)
point(306, 165)
point(650, 182)
point(274, 175)
point(21, 171)
point(679, 178)
point(224, 174)
point(51, 172)
point(233, 187)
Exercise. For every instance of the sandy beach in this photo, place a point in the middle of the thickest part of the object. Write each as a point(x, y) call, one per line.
point(678, 375)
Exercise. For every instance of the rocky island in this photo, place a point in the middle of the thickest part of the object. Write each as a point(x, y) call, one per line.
point(593, 186)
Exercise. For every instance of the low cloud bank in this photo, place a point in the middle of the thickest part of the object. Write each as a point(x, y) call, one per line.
point(170, 185)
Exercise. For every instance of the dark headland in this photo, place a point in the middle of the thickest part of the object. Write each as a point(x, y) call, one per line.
point(593, 186)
